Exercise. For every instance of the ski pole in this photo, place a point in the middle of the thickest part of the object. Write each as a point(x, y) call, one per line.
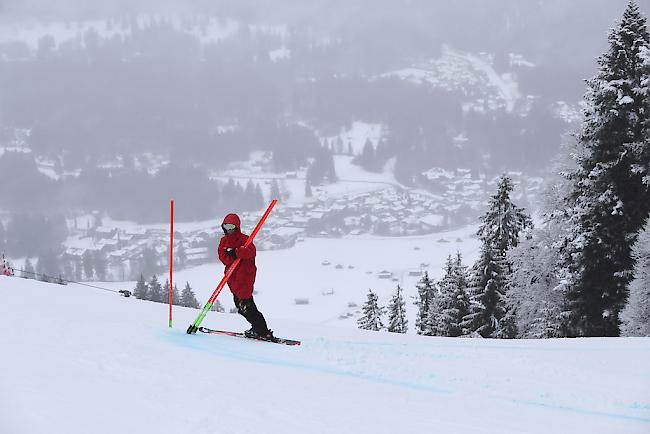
point(208, 305)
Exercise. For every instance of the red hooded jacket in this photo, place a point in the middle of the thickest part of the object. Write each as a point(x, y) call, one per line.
point(242, 279)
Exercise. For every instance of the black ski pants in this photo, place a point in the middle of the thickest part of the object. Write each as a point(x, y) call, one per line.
point(247, 308)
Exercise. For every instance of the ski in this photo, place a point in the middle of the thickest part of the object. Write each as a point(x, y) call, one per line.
point(241, 335)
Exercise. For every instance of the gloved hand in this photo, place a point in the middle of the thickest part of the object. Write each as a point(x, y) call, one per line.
point(231, 252)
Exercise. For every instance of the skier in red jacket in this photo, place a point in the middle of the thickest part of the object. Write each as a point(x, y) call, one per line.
point(231, 247)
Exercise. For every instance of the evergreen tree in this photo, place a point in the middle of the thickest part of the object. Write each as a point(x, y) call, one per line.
point(322, 168)
point(637, 312)
point(426, 294)
point(397, 322)
point(164, 296)
point(249, 197)
point(68, 272)
point(611, 196)
point(372, 313)
point(438, 321)
point(48, 266)
point(492, 315)
point(329, 167)
point(488, 295)
point(78, 268)
point(456, 307)
point(339, 144)
point(88, 264)
point(275, 190)
point(155, 290)
point(448, 313)
point(504, 221)
point(534, 286)
point(367, 158)
point(141, 290)
point(176, 296)
point(100, 264)
point(188, 299)
point(218, 307)
point(181, 255)
point(149, 261)
point(259, 197)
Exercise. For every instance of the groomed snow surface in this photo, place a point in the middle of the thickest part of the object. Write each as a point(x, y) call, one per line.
point(80, 360)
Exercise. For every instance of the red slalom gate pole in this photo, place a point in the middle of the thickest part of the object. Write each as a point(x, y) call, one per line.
point(208, 305)
point(171, 258)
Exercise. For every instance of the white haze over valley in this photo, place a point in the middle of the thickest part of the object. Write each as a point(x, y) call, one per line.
point(385, 129)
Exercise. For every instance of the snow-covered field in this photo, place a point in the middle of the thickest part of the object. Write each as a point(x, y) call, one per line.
point(299, 273)
point(78, 360)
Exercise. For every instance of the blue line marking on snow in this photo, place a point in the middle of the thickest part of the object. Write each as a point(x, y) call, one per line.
point(582, 410)
point(233, 346)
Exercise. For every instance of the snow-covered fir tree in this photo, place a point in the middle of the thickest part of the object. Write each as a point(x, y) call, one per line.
point(155, 290)
point(397, 322)
point(500, 230)
point(188, 299)
point(371, 318)
point(487, 307)
point(438, 321)
point(537, 282)
point(275, 190)
point(531, 288)
point(503, 222)
point(181, 256)
point(100, 264)
point(637, 312)
point(164, 296)
point(426, 293)
point(47, 267)
point(456, 308)
point(218, 307)
point(535, 288)
point(141, 290)
point(611, 198)
point(451, 306)
point(176, 298)
point(88, 264)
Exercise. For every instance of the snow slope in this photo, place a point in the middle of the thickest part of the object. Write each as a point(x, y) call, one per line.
point(78, 360)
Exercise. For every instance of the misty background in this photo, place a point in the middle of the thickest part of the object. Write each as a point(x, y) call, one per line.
point(112, 108)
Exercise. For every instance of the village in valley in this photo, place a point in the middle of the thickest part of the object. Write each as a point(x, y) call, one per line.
point(451, 199)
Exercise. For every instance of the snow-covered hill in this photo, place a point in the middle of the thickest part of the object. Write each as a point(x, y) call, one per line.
point(79, 360)
point(473, 74)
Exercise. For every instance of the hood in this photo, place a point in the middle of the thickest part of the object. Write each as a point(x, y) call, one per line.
point(232, 219)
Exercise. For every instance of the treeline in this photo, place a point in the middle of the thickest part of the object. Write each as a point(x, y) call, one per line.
point(466, 302)
point(32, 234)
point(211, 104)
point(122, 193)
point(152, 290)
